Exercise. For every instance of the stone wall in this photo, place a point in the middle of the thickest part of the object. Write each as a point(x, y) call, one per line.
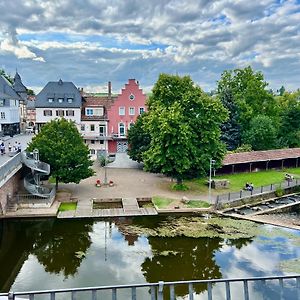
point(10, 187)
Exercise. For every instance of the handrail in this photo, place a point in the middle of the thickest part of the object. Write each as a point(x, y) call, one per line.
point(157, 288)
point(10, 166)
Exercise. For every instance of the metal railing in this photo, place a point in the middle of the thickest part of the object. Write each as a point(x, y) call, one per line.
point(233, 196)
point(280, 287)
point(10, 166)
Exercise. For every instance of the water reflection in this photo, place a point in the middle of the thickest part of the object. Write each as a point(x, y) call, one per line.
point(41, 254)
point(62, 248)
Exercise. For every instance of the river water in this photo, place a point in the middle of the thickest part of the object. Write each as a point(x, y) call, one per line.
point(51, 254)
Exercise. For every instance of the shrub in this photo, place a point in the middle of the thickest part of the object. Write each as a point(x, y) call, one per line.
point(180, 187)
point(279, 192)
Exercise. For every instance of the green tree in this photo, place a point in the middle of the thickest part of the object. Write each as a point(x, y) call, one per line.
point(138, 139)
point(249, 95)
point(184, 126)
point(281, 91)
point(60, 145)
point(290, 126)
point(262, 134)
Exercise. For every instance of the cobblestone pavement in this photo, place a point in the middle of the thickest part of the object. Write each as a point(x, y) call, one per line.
point(24, 139)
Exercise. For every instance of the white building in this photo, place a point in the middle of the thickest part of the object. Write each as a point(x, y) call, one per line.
point(58, 100)
point(9, 108)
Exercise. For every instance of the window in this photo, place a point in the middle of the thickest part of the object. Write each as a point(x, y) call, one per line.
point(131, 97)
point(92, 151)
point(121, 129)
point(121, 111)
point(60, 113)
point(92, 141)
point(1, 102)
point(2, 115)
point(102, 130)
point(70, 113)
point(82, 127)
point(47, 113)
point(131, 111)
point(60, 100)
point(89, 112)
point(101, 142)
point(50, 100)
point(70, 100)
point(92, 127)
point(142, 110)
point(131, 124)
point(98, 111)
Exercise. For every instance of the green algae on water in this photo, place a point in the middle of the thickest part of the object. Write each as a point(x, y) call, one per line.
point(197, 227)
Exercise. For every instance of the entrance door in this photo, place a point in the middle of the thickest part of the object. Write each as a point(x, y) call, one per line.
point(122, 147)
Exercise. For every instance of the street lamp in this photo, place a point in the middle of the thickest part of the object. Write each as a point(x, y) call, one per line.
point(211, 163)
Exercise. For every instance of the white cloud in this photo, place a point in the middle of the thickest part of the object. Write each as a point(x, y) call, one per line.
point(200, 38)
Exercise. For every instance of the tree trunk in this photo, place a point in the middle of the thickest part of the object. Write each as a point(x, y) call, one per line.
point(56, 182)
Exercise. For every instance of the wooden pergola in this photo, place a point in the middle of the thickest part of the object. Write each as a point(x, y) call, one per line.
point(260, 160)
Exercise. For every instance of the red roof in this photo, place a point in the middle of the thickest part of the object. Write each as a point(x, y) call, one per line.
point(255, 156)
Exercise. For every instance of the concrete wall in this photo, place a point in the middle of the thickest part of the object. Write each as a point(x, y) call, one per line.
point(11, 186)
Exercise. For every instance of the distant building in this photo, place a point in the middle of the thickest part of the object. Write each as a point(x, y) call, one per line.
point(123, 114)
point(103, 121)
point(94, 122)
point(21, 90)
point(58, 99)
point(9, 108)
point(30, 112)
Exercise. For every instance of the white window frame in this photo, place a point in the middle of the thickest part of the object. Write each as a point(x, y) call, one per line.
point(60, 113)
point(70, 113)
point(50, 100)
point(122, 111)
point(48, 114)
point(124, 127)
point(131, 111)
point(104, 130)
point(92, 126)
point(89, 112)
point(82, 127)
point(70, 100)
point(60, 100)
point(141, 108)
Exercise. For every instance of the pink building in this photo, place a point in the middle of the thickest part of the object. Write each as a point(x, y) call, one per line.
point(123, 113)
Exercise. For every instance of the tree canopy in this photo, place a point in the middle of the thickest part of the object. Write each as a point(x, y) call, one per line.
point(184, 127)
point(61, 145)
point(249, 97)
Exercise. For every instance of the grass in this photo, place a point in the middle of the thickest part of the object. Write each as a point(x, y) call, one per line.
point(238, 180)
point(65, 206)
point(161, 202)
point(197, 204)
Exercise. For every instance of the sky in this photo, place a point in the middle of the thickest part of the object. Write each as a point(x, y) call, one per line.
point(92, 42)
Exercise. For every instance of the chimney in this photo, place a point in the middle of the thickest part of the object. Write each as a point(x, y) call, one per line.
point(109, 90)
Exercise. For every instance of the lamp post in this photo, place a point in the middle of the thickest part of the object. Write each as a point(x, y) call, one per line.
point(211, 163)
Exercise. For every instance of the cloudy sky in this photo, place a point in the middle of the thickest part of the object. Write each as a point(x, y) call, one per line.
point(90, 42)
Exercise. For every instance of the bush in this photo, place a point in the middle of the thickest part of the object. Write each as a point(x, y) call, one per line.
point(279, 192)
point(102, 160)
point(180, 187)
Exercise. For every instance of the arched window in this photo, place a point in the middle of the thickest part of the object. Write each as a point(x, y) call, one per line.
point(121, 129)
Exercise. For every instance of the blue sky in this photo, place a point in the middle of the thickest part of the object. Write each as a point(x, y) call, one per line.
point(94, 41)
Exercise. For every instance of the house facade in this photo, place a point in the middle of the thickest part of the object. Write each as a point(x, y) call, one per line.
point(30, 112)
point(58, 100)
point(9, 108)
point(129, 104)
point(21, 90)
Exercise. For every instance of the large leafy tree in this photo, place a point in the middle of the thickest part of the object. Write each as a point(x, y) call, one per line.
point(184, 126)
point(262, 134)
point(61, 145)
point(250, 97)
point(138, 138)
point(290, 126)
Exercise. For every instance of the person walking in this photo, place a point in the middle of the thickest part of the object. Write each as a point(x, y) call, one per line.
point(9, 148)
point(19, 147)
point(2, 148)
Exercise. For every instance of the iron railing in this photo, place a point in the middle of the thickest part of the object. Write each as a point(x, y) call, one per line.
point(233, 196)
point(10, 166)
point(279, 287)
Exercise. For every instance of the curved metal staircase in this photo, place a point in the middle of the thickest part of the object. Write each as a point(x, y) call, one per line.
point(32, 182)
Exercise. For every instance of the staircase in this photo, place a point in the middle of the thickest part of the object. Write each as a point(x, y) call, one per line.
point(38, 169)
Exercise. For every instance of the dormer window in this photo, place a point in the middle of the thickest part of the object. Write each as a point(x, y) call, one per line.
point(70, 100)
point(50, 100)
point(60, 100)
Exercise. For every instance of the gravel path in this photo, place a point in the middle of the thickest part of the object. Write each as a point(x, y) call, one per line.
point(127, 183)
